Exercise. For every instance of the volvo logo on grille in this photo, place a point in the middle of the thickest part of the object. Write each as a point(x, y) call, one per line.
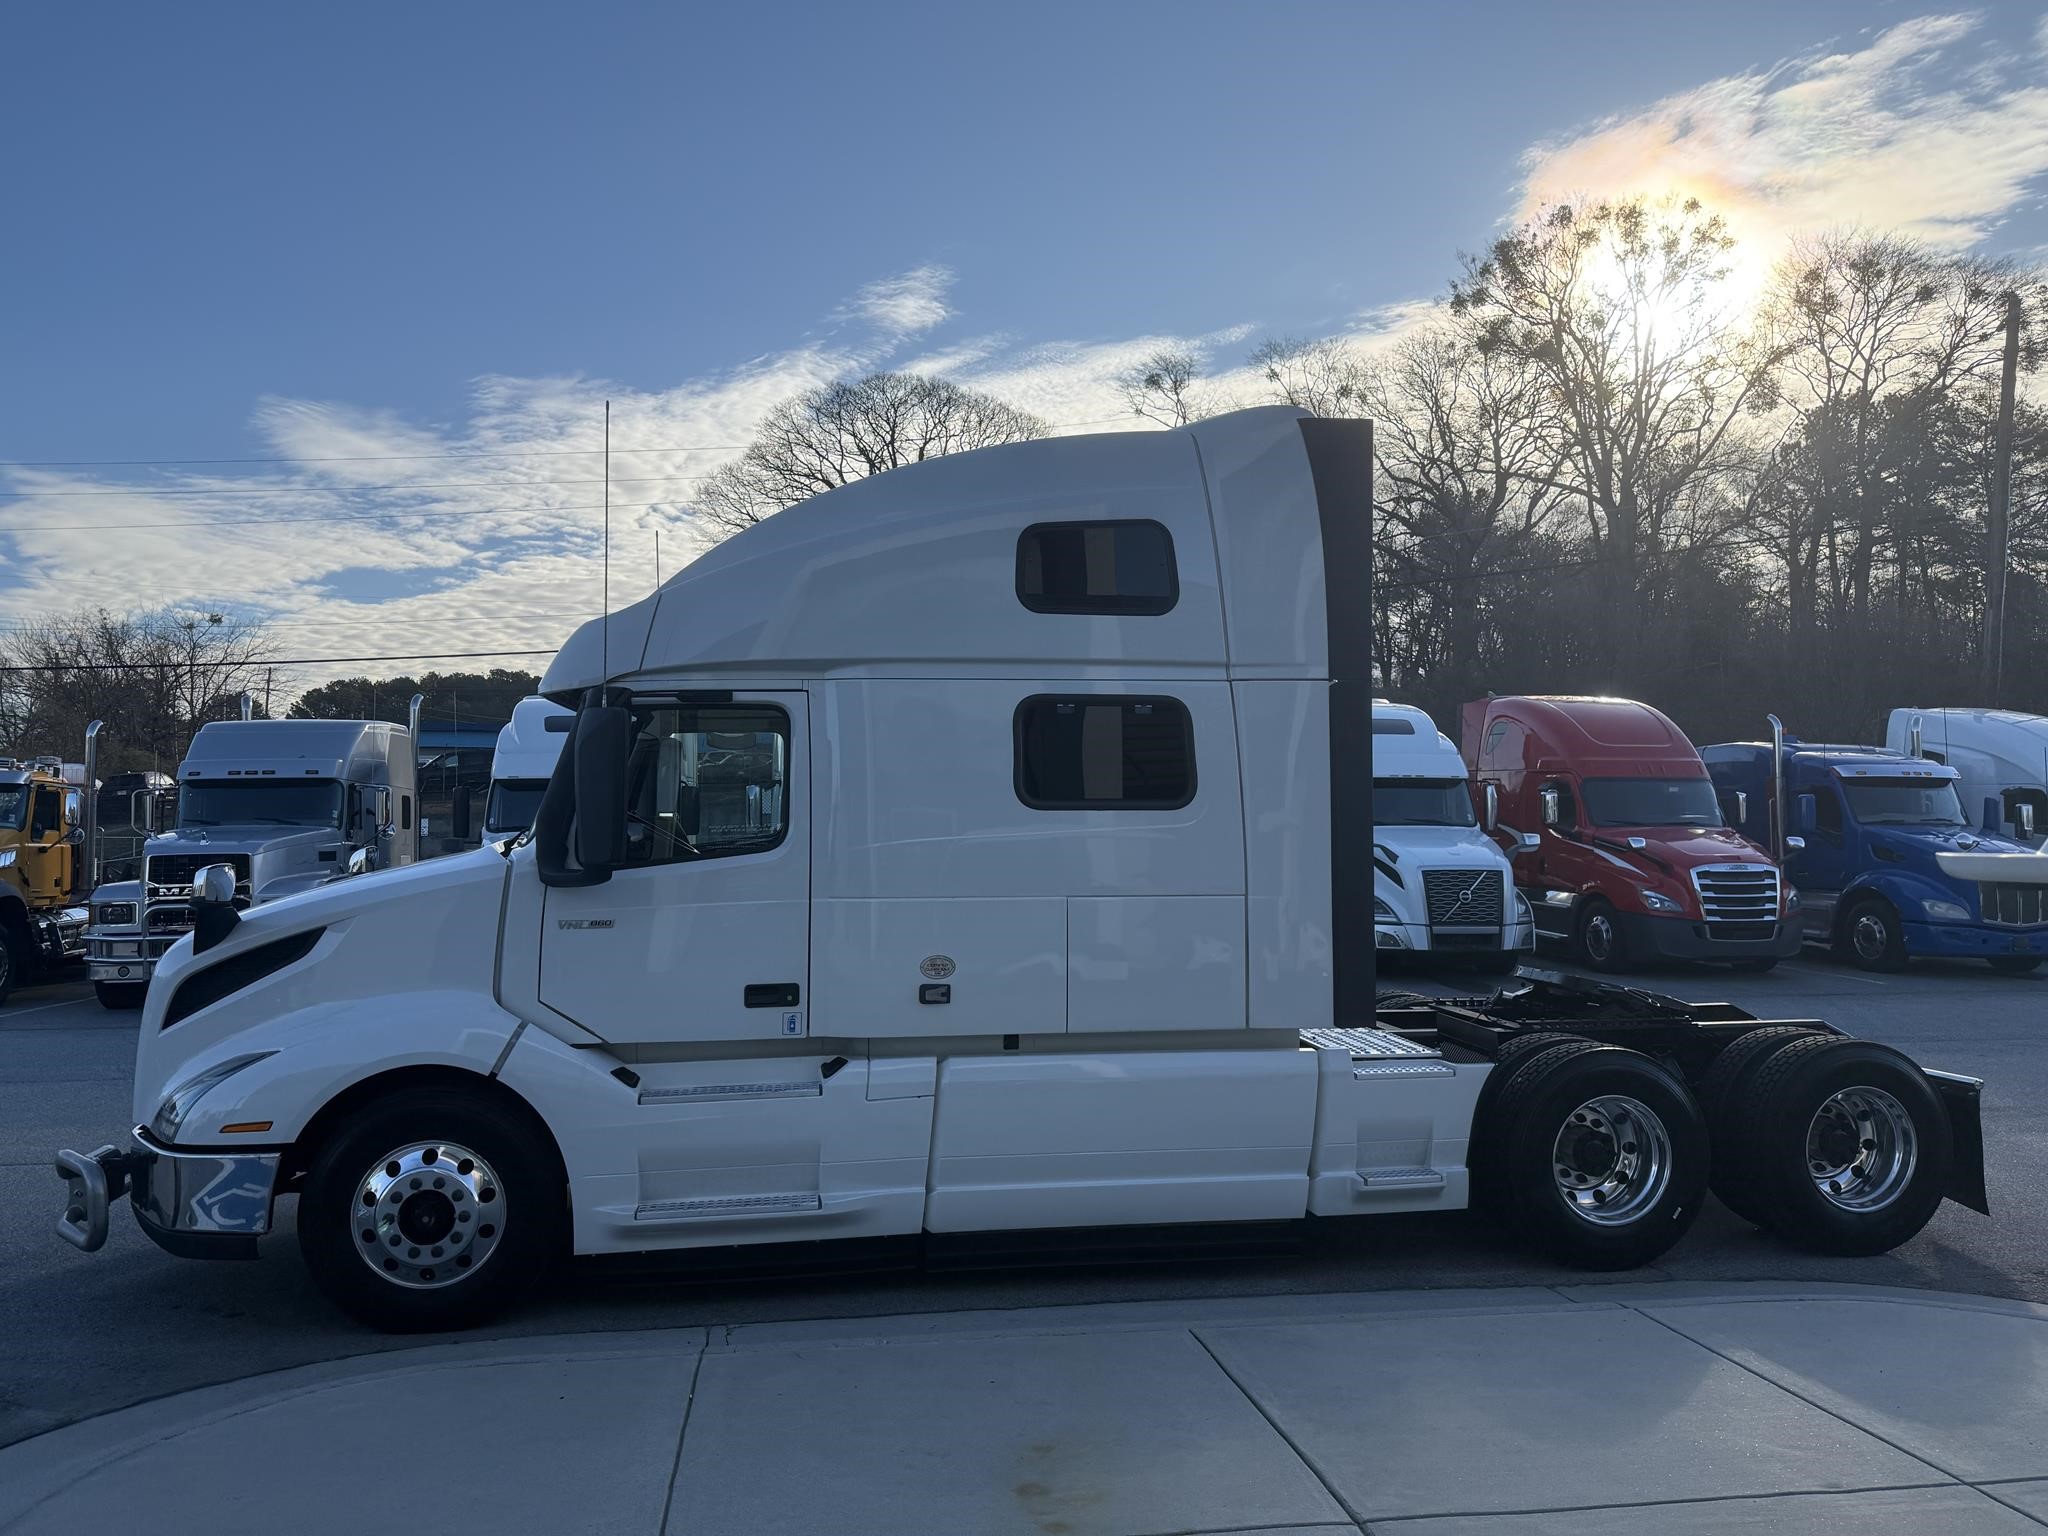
point(1468, 893)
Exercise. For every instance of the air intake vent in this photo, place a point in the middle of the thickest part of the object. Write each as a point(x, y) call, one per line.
point(2013, 906)
point(204, 988)
point(1464, 898)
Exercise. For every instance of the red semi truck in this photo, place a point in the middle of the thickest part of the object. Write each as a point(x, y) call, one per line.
point(1617, 838)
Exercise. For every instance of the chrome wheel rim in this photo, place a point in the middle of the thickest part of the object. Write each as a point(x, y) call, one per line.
point(1612, 1160)
point(1870, 936)
point(1861, 1149)
point(428, 1215)
point(1599, 936)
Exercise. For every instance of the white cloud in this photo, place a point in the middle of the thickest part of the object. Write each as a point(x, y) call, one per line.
point(1919, 130)
point(906, 305)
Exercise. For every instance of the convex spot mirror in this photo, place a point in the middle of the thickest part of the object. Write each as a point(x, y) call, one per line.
point(1553, 806)
point(213, 906)
point(1492, 806)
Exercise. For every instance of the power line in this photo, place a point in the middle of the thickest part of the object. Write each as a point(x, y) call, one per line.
point(331, 517)
point(266, 661)
point(347, 490)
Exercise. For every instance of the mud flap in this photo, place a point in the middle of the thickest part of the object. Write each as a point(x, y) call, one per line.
point(1961, 1097)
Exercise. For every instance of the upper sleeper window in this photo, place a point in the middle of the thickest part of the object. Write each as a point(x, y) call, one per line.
point(1392, 725)
point(1090, 752)
point(1097, 568)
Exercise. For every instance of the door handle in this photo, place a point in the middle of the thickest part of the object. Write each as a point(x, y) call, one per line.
point(773, 994)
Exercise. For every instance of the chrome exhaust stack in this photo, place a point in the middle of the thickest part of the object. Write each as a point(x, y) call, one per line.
point(92, 805)
point(1777, 789)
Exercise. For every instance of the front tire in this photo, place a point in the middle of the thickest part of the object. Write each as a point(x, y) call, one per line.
point(431, 1209)
point(1850, 1146)
point(118, 995)
point(1871, 936)
point(1600, 1155)
point(1597, 943)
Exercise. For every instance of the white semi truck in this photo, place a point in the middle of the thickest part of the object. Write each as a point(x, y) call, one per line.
point(2000, 757)
point(529, 746)
point(978, 846)
point(1440, 888)
point(287, 804)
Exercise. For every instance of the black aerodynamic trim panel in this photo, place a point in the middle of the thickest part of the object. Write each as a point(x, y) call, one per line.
point(204, 988)
point(1340, 461)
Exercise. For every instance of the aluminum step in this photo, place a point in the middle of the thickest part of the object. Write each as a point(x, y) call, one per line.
point(725, 1205)
point(712, 1093)
point(1376, 1181)
point(1367, 1044)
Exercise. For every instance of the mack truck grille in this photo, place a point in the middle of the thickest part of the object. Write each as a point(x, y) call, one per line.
point(2014, 906)
point(172, 874)
point(1463, 898)
point(1740, 900)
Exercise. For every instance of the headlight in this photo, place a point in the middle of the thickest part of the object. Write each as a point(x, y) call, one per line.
point(1524, 913)
point(1791, 898)
point(1388, 938)
point(170, 1114)
point(118, 914)
point(6, 857)
point(1946, 911)
point(1380, 908)
point(1657, 901)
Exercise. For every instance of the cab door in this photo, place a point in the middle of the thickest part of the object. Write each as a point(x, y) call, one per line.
point(703, 933)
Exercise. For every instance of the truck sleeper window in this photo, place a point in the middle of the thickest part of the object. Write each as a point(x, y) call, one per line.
point(1097, 568)
point(706, 782)
point(1094, 752)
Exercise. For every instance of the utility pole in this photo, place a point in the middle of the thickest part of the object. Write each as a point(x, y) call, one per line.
point(1998, 519)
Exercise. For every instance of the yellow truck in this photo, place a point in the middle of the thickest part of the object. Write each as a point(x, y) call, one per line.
point(43, 876)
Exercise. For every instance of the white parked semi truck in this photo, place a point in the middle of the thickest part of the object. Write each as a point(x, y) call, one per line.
point(529, 746)
point(1439, 885)
point(2000, 757)
point(286, 804)
point(979, 846)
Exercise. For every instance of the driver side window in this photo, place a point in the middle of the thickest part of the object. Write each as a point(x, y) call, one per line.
point(1827, 813)
point(46, 819)
point(705, 782)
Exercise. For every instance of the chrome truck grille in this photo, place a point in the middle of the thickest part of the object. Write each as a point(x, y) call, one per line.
point(1463, 898)
point(2013, 906)
point(171, 874)
point(1739, 900)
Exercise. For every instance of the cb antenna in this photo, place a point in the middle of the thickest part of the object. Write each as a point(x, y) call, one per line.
point(604, 643)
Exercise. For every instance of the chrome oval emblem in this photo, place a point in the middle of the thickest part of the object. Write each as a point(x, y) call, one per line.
point(936, 967)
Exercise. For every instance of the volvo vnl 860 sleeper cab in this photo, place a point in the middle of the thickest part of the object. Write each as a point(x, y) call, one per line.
point(983, 845)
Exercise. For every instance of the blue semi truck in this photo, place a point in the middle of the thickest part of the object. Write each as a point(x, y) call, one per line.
point(1888, 862)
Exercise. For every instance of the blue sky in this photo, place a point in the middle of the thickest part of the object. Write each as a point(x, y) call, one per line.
point(320, 235)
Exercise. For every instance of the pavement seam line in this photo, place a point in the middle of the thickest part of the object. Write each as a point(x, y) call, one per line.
point(1802, 1397)
point(2025, 1514)
point(1272, 1423)
point(1717, 1498)
point(675, 1468)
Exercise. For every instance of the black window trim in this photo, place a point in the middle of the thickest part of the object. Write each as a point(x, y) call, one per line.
point(1187, 731)
point(1111, 607)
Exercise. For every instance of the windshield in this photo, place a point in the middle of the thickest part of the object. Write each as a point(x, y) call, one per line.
point(513, 804)
point(1421, 803)
point(13, 801)
point(1904, 802)
point(261, 802)
point(1651, 802)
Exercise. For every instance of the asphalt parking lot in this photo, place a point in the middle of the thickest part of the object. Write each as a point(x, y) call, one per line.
point(88, 1333)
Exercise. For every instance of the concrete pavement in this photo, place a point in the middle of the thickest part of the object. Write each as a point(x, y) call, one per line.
point(1589, 1409)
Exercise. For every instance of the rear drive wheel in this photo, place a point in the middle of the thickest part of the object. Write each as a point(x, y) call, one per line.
point(431, 1209)
point(1870, 936)
point(1603, 1156)
point(120, 994)
point(1596, 937)
point(1481, 1156)
point(1724, 1095)
point(1850, 1146)
point(2015, 965)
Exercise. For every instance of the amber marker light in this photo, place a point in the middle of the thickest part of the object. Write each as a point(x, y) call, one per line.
point(242, 1127)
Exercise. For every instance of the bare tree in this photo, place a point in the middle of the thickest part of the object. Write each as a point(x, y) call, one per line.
point(1323, 376)
point(1166, 388)
point(842, 432)
point(153, 676)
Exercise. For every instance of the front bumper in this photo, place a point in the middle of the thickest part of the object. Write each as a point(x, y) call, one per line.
point(210, 1204)
point(1689, 938)
point(124, 957)
point(1392, 934)
point(1972, 941)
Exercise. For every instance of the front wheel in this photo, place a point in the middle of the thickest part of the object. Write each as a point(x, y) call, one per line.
point(1601, 1156)
point(431, 1209)
point(2015, 965)
point(1871, 938)
point(118, 995)
point(1596, 938)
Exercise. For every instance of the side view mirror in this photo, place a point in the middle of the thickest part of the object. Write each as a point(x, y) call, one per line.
point(1553, 806)
point(603, 738)
point(1804, 814)
point(213, 906)
point(459, 816)
point(1795, 844)
point(76, 836)
point(1492, 806)
point(1742, 807)
point(362, 860)
point(2025, 813)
